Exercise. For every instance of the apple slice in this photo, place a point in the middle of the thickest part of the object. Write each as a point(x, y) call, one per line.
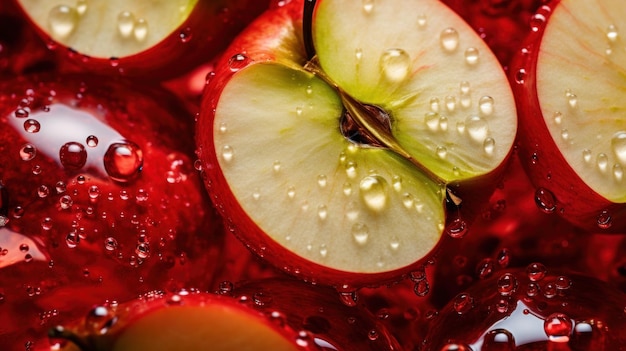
point(148, 38)
point(177, 322)
point(337, 167)
point(569, 90)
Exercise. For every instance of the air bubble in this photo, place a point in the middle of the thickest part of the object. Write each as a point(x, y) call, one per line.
point(449, 39)
point(477, 128)
point(557, 117)
point(31, 126)
point(572, 99)
point(142, 250)
point(21, 113)
point(520, 76)
point(185, 35)
point(360, 233)
point(62, 20)
point(123, 161)
point(431, 119)
point(408, 200)
point(73, 155)
point(396, 65)
point(125, 23)
point(471, 56)
point(72, 240)
point(276, 166)
point(65, 202)
point(43, 191)
point(558, 327)
point(545, 200)
point(421, 288)
point(373, 192)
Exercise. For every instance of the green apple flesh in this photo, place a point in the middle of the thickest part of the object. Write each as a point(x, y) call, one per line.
point(108, 28)
point(215, 327)
point(580, 85)
point(346, 205)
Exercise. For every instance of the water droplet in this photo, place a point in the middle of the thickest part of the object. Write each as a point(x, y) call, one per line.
point(238, 62)
point(352, 210)
point(489, 145)
point(322, 212)
point(291, 192)
point(537, 22)
point(22, 113)
point(323, 250)
point(421, 20)
point(394, 243)
point(309, 90)
point(110, 244)
point(125, 23)
point(572, 99)
point(123, 161)
point(140, 31)
point(457, 228)
point(456, 347)
point(557, 117)
point(536, 271)
point(73, 155)
point(227, 153)
point(611, 33)
point(499, 339)
point(322, 180)
point(368, 6)
point(396, 65)
point(431, 119)
point(373, 192)
point(408, 200)
point(360, 233)
point(450, 103)
point(185, 35)
point(396, 182)
point(442, 152)
point(62, 20)
point(276, 166)
point(602, 162)
point(604, 220)
point(31, 126)
point(618, 145)
point(558, 327)
point(485, 105)
point(81, 7)
point(92, 141)
point(471, 56)
point(434, 105)
point(351, 168)
point(449, 39)
point(507, 284)
point(587, 155)
point(142, 250)
point(477, 128)
point(347, 189)
point(28, 152)
point(256, 194)
point(618, 172)
point(43, 191)
point(545, 200)
point(463, 303)
point(421, 288)
point(72, 240)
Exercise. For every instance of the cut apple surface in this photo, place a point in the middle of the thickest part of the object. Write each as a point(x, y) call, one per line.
point(154, 39)
point(570, 92)
point(342, 163)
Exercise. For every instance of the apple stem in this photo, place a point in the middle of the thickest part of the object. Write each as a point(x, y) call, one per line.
point(307, 28)
point(368, 122)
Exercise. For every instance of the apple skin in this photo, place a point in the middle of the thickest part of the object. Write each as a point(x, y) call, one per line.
point(557, 184)
point(207, 31)
point(276, 36)
point(165, 204)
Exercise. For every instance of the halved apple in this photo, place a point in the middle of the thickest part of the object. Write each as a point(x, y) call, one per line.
point(570, 90)
point(148, 38)
point(337, 167)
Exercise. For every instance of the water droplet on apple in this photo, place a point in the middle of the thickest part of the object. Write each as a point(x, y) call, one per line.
point(536, 271)
point(460, 127)
point(185, 35)
point(443, 123)
point(463, 303)
point(73, 155)
point(81, 7)
point(110, 244)
point(373, 192)
point(291, 192)
point(368, 6)
point(125, 23)
point(123, 161)
point(92, 141)
point(442, 151)
point(449, 39)
point(450, 103)
point(31, 126)
point(322, 180)
point(507, 284)
point(477, 128)
point(602, 162)
point(604, 220)
point(351, 168)
point(299, 111)
point(237, 62)
point(431, 119)
point(537, 21)
point(394, 243)
point(545, 200)
point(322, 212)
point(396, 65)
point(611, 33)
point(421, 288)
point(485, 105)
point(618, 145)
point(21, 113)
point(421, 20)
point(618, 173)
point(489, 145)
point(43, 191)
point(140, 31)
point(352, 211)
point(572, 99)
point(347, 189)
point(499, 339)
point(457, 228)
point(408, 200)
point(142, 250)
point(434, 105)
point(456, 347)
point(62, 20)
point(471, 56)
point(558, 327)
point(323, 250)
point(28, 152)
point(587, 155)
point(72, 239)
point(360, 233)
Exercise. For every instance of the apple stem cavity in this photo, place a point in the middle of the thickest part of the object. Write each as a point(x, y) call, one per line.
point(373, 124)
point(307, 28)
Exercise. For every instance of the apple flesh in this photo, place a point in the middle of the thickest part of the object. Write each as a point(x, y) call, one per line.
point(357, 197)
point(141, 38)
point(567, 83)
